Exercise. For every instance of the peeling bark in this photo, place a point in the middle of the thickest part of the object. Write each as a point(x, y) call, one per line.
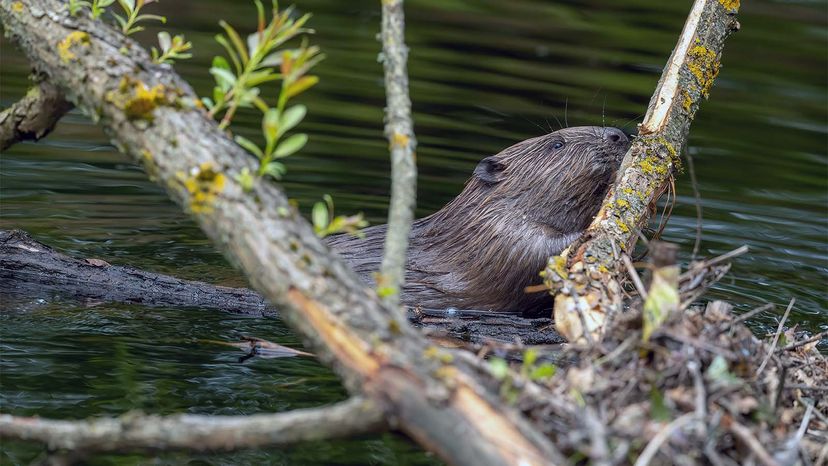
point(585, 278)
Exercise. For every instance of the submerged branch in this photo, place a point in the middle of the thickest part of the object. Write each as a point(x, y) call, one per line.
point(400, 133)
point(34, 116)
point(196, 433)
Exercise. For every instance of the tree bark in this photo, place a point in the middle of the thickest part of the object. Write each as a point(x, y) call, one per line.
point(153, 116)
point(34, 116)
point(400, 133)
point(585, 278)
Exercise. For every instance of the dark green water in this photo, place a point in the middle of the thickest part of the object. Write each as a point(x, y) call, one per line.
point(485, 74)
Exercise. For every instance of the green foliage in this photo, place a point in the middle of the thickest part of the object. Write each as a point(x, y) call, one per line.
point(172, 49)
point(325, 223)
point(97, 7)
point(533, 371)
point(259, 60)
point(132, 9)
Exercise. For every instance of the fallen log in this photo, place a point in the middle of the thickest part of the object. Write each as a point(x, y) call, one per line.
point(32, 268)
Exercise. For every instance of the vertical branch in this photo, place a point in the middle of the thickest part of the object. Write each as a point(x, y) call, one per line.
point(400, 133)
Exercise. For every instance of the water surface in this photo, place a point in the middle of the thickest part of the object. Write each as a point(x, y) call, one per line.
point(484, 74)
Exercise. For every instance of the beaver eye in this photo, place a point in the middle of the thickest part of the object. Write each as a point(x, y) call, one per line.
point(557, 144)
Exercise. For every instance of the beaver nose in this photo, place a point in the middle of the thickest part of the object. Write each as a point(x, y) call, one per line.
point(615, 136)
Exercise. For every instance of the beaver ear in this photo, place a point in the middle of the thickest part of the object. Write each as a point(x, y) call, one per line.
point(490, 170)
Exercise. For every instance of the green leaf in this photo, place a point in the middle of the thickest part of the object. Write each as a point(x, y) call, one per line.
point(254, 79)
point(320, 216)
point(529, 357)
point(127, 5)
point(301, 85)
point(230, 52)
point(221, 62)
point(274, 169)
point(291, 145)
point(208, 102)
point(236, 40)
point(270, 125)
point(164, 40)
point(658, 408)
point(499, 368)
point(544, 371)
point(249, 146)
point(292, 117)
point(247, 97)
point(224, 78)
point(253, 43)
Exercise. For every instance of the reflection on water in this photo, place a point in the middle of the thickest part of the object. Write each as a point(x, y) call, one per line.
point(484, 75)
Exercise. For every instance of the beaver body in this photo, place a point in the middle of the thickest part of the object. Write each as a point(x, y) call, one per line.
point(488, 244)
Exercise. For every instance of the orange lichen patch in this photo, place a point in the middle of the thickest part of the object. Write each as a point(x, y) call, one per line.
point(204, 185)
point(17, 7)
point(730, 5)
point(348, 348)
point(65, 46)
point(704, 65)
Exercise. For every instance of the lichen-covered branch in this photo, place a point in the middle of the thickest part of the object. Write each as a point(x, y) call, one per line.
point(197, 433)
point(585, 278)
point(34, 116)
point(153, 116)
point(400, 132)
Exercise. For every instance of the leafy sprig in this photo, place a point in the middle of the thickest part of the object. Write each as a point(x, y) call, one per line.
point(172, 48)
point(132, 9)
point(254, 63)
point(325, 223)
point(97, 7)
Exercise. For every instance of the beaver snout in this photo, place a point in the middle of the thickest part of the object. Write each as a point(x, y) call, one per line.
point(616, 141)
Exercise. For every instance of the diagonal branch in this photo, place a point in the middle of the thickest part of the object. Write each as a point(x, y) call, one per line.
point(152, 114)
point(138, 432)
point(585, 278)
point(34, 116)
point(400, 133)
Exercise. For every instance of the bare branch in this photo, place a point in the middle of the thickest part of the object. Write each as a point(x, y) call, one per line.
point(400, 133)
point(34, 116)
point(137, 432)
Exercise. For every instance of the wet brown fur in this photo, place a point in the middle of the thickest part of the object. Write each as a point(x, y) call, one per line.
point(521, 206)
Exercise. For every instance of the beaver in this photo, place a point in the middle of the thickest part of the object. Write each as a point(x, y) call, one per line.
point(521, 206)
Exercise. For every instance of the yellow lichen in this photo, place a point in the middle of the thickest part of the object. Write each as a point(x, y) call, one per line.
point(621, 225)
point(686, 102)
point(622, 203)
point(704, 65)
point(399, 140)
point(558, 265)
point(65, 46)
point(628, 191)
point(136, 99)
point(731, 6)
point(203, 185)
point(17, 7)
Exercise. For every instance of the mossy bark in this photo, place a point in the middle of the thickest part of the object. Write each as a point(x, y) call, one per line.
point(585, 278)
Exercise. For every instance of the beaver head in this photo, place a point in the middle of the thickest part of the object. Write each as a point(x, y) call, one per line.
point(520, 207)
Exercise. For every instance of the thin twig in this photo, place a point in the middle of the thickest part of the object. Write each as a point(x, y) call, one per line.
point(775, 338)
point(817, 337)
point(662, 436)
point(746, 436)
point(636, 279)
point(695, 186)
point(399, 130)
